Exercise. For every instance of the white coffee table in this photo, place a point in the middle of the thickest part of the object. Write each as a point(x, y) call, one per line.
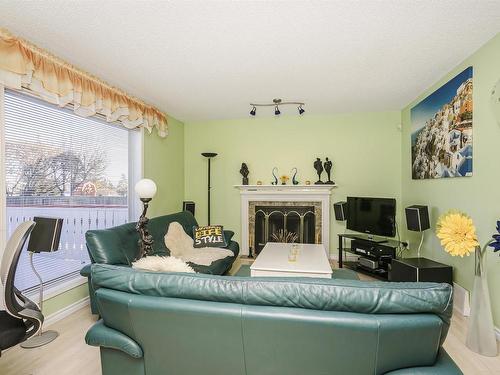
point(273, 261)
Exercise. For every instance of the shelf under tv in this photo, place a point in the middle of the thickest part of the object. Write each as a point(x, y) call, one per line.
point(382, 251)
point(365, 237)
point(379, 273)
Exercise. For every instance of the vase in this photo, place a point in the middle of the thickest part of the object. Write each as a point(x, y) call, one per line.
point(480, 331)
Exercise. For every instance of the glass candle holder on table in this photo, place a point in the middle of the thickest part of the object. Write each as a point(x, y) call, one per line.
point(293, 253)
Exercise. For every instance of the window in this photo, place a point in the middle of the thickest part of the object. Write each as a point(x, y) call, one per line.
point(58, 164)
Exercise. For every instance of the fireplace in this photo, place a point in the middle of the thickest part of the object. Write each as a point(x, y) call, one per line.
point(268, 210)
point(284, 222)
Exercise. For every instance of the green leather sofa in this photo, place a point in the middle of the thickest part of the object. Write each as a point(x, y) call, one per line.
point(118, 246)
point(190, 324)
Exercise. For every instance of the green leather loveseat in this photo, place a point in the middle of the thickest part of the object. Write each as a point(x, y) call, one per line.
point(190, 324)
point(118, 246)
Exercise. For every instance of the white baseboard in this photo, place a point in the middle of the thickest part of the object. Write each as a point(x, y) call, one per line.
point(461, 299)
point(68, 310)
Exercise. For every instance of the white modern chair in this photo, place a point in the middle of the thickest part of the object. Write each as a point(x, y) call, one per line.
point(22, 317)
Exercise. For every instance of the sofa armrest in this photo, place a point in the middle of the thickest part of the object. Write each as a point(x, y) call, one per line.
point(228, 235)
point(234, 247)
point(444, 365)
point(85, 271)
point(100, 335)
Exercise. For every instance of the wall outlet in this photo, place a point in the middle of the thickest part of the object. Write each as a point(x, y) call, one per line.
point(405, 245)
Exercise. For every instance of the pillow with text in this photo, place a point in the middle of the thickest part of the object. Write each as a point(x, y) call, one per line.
point(209, 236)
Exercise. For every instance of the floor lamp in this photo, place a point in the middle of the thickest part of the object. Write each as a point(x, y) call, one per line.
point(44, 238)
point(209, 155)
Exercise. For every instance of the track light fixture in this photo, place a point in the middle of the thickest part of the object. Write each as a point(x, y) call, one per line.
point(276, 103)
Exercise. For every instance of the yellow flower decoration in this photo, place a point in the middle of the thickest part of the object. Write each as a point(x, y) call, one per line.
point(457, 234)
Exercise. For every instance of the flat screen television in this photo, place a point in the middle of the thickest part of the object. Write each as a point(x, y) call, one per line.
point(374, 216)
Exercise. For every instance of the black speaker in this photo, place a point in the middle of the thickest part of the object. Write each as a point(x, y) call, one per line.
point(46, 234)
point(417, 218)
point(188, 206)
point(340, 209)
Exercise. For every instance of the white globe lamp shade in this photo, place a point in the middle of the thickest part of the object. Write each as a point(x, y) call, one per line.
point(145, 188)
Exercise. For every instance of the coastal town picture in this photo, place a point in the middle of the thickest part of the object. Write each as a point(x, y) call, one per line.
point(441, 134)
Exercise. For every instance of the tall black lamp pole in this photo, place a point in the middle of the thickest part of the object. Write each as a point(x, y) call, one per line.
point(209, 155)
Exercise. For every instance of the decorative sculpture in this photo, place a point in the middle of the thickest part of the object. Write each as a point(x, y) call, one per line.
point(146, 239)
point(294, 181)
point(328, 169)
point(318, 165)
point(275, 182)
point(146, 190)
point(244, 172)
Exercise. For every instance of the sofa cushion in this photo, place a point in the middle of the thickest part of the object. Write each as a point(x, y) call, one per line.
point(317, 294)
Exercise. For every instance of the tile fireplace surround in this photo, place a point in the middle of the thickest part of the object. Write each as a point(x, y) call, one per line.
point(317, 196)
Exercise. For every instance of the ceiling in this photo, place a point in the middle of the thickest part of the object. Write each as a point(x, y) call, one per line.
point(202, 60)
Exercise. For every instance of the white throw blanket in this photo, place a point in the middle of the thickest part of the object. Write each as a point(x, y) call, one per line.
point(181, 246)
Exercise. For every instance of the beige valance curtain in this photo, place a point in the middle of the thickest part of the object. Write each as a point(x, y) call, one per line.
point(23, 65)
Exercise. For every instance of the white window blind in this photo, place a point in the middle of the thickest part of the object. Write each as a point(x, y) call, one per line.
point(58, 164)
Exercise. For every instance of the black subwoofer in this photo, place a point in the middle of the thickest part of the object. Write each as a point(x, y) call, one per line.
point(188, 206)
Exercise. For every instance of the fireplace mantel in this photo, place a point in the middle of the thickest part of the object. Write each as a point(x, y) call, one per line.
point(312, 189)
point(285, 193)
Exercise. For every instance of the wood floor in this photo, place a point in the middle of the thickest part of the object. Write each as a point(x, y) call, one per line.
point(69, 355)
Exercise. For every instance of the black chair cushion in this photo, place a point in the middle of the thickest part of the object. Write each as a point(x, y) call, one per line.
point(12, 330)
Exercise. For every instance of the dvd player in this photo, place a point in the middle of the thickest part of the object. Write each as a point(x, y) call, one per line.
point(368, 263)
point(373, 250)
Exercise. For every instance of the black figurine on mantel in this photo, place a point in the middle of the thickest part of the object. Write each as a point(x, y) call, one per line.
point(318, 165)
point(275, 182)
point(244, 172)
point(294, 181)
point(328, 170)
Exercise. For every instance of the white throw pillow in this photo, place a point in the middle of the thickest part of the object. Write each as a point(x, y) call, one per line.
point(162, 264)
point(181, 246)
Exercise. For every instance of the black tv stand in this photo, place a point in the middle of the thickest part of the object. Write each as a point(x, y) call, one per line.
point(366, 237)
point(378, 252)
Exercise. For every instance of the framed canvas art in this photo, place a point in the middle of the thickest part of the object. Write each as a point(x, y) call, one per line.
point(441, 134)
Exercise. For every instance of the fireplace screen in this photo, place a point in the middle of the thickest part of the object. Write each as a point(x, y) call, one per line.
point(284, 224)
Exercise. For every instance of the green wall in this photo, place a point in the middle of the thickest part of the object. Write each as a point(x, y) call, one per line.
point(164, 163)
point(59, 302)
point(365, 149)
point(477, 195)
point(163, 160)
